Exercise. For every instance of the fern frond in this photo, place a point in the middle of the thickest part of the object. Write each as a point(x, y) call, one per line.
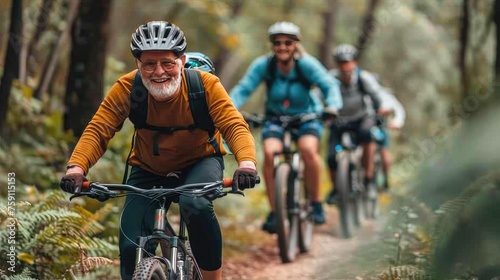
point(91, 225)
point(88, 264)
point(24, 275)
point(449, 213)
point(51, 200)
point(405, 272)
point(29, 222)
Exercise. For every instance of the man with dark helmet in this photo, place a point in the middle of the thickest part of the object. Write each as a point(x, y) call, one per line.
point(356, 87)
point(289, 74)
point(182, 156)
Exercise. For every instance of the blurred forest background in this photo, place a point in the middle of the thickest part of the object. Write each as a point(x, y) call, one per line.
point(441, 58)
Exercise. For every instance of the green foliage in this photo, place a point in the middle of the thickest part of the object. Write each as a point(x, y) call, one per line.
point(460, 191)
point(24, 275)
point(54, 238)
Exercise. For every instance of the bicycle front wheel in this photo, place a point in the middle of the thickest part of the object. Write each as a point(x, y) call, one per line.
point(150, 268)
point(286, 222)
point(371, 191)
point(347, 203)
point(306, 223)
point(189, 268)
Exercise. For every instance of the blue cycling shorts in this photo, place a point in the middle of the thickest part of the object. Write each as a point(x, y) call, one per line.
point(382, 137)
point(274, 130)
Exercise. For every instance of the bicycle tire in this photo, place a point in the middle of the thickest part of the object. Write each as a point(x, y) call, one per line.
point(371, 195)
point(379, 173)
point(306, 222)
point(346, 205)
point(356, 189)
point(190, 266)
point(150, 269)
point(286, 222)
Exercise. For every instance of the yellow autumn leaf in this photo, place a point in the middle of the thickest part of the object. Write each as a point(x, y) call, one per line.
point(27, 258)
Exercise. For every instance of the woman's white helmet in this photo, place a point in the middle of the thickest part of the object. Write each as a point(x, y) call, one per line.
point(285, 28)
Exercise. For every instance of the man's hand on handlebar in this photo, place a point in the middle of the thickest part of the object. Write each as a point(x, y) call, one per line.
point(329, 115)
point(245, 178)
point(72, 182)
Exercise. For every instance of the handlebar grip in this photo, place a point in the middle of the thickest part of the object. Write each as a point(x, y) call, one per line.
point(228, 182)
point(86, 185)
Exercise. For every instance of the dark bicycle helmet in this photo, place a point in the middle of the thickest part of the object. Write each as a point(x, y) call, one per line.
point(345, 52)
point(198, 60)
point(285, 28)
point(160, 36)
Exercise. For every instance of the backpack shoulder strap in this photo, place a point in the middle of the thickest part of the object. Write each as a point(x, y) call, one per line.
point(138, 103)
point(197, 101)
point(361, 85)
point(199, 107)
point(270, 71)
point(300, 75)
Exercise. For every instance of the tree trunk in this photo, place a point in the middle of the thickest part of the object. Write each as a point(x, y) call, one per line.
point(368, 27)
point(51, 63)
point(41, 26)
point(325, 51)
point(496, 19)
point(462, 55)
point(11, 65)
point(84, 90)
point(224, 54)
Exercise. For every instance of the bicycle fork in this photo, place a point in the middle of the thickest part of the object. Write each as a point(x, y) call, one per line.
point(175, 262)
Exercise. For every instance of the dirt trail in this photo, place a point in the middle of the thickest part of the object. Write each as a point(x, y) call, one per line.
point(331, 257)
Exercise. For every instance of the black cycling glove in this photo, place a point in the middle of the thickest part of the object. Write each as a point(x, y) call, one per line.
point(245, 178)
point(72, 183)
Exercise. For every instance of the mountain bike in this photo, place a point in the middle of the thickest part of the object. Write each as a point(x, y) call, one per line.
point(380, 177)
point(294, 222)
point(176, 260)
point(348, 183)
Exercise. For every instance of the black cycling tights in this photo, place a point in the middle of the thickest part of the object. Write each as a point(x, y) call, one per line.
point(203, 228)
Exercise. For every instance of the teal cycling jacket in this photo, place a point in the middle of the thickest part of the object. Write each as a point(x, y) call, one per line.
point(287, 95)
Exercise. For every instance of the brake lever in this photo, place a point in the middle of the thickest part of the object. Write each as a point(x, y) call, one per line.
point(98, 194)
point(75, 195)
point(235, 190)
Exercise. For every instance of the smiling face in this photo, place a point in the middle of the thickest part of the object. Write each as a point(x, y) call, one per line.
point(284, 47)
point(161, 73)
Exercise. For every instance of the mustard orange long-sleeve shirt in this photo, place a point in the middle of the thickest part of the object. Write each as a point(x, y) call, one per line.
point(177, 150)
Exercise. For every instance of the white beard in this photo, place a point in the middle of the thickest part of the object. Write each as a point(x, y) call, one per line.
point(163, 91)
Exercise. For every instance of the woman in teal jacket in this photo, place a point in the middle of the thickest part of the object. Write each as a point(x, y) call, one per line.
point(289, 74)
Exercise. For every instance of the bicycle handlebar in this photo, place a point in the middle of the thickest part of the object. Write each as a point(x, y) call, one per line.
point(285, 120)
point(209, 190)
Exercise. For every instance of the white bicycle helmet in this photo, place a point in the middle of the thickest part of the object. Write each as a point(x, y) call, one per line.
point(158, 35)
point(284, 27)
point(345, 52)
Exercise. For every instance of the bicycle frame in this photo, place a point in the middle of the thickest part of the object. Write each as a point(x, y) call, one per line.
point(174, 251)
point(294, 224)
point(288, 154)
point(163, 231)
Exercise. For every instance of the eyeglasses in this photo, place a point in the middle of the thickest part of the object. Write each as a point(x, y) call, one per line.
point(287, 43)
point(166, 65)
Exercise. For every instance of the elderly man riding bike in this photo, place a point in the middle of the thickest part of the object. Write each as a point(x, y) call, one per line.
point(169, 150)
point(289, 74)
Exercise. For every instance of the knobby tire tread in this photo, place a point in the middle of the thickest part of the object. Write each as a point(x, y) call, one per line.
point(150, 269)
point(345, 203)
point(286, 224)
